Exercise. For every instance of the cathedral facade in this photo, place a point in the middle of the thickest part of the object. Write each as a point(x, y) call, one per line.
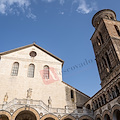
point(32, 86)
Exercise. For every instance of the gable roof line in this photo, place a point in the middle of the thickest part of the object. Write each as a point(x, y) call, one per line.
point(23, 47)
point(76, 89)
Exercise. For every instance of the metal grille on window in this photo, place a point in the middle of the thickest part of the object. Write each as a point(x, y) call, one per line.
point(15, 68)
point(31, 70)
point(46, 72)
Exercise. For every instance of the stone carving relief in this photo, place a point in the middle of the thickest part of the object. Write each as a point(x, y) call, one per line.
point(49, 102)
point(5, 98)
point(118, 100)
point(109, 107)
point(29, 93)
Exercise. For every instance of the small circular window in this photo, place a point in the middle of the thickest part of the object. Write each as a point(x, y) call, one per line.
point(33, 54)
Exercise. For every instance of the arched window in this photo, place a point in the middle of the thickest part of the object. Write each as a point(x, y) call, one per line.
point(119, 85)
point(116, 115)
point(117, 29)
point(108, 60)
point(99, 103)
point(46, 72)
point(104, 99)
point(101, 38)
point(113, 92)
point(98, 119)
point(117, 91)
point(96, 104)
point(104, 63)
point(93, 106)
point(98, 41)
point(109, 95)
point(15, 68)
point(31, 70)
point(72, 94)
point(106, 117)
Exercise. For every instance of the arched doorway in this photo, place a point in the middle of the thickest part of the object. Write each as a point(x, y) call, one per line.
point(26, 115)
point(98, 119)
point(49, 119)
point(116, 115)
point(106, 117)
point(3, 117)
point(67, 119)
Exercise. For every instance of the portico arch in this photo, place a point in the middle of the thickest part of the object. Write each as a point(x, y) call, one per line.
point(67, 117)
point(85, 118)
point(49, 117)
point(106, 115)
point(116, 112)
point(26, 115)
point(4, 115)
point(98, 117)
point(29, 112)
point(116, 115)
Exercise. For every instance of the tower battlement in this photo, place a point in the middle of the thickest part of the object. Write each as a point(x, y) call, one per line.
point(106, 13)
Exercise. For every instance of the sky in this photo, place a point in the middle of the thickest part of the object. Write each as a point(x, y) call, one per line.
point(62, 27)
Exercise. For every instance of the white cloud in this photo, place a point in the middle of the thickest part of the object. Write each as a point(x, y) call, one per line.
point(15, 7)
point(60, 1)
point(49, 1)
point(84, 7)
point(2, 8)
point(31, 15)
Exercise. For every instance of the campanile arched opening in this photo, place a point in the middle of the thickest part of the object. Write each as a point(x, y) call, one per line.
point(116, 115)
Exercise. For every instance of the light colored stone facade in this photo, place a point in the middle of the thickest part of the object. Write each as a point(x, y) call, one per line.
point(44, 95)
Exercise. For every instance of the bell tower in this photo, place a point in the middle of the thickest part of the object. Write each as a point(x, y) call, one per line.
point(106, 45)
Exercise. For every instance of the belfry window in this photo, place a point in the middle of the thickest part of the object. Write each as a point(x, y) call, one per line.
point(31, 70)
point(117, 91)
point(117, 29)
point(15, 68)
point(104, 99)
point(46, 72)
point(108, 60)
point(104, 62)
point(98, 41)
point(101, 37)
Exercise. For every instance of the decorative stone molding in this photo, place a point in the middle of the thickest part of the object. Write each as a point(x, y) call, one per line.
point(11, 110)
point(59, 116)
point(109, 107)
point(41, 114)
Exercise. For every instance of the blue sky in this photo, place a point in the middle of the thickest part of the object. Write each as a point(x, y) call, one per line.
point(62, 27)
